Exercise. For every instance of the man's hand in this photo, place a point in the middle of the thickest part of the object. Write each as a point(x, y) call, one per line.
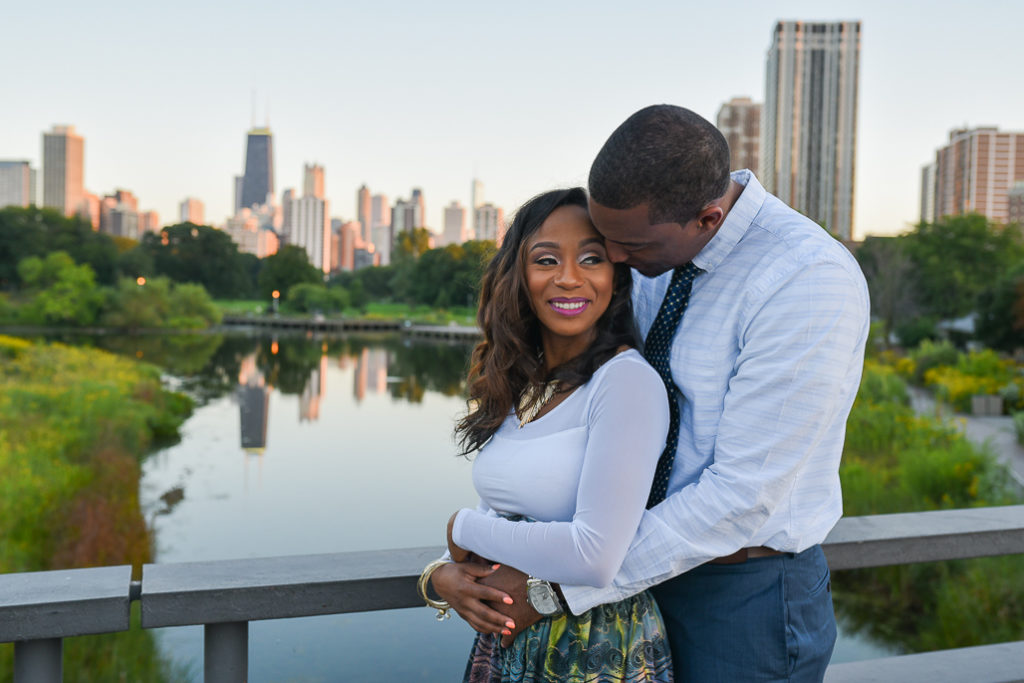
point(460, 583)
point(513, 583)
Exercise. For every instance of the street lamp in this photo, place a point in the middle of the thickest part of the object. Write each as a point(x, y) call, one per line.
point(140, 281)
point(275, 295)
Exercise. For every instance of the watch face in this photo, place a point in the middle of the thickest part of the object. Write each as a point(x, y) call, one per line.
point(542, 598)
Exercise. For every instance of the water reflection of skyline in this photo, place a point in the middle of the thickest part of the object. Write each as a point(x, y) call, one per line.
point(370, 366)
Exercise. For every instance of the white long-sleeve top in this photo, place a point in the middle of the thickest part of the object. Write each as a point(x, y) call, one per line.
point(767, 359)
point(583, 471)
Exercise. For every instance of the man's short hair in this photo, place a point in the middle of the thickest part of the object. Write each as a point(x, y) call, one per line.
point(664, 155)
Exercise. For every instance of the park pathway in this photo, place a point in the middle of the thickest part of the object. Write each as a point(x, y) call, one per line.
point(995, 432)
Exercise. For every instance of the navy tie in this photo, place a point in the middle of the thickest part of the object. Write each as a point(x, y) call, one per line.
point(656, 351)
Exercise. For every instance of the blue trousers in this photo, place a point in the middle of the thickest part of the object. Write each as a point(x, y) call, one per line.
point(766, 619)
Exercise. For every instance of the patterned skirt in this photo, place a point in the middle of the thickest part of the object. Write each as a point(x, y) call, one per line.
point(621, 641)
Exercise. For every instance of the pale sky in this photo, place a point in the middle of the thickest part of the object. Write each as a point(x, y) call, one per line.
point(416, 94)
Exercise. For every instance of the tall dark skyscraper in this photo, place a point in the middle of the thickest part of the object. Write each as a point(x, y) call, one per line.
point(258, 180)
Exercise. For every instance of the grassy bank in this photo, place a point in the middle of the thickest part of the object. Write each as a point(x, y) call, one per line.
point(73, 426)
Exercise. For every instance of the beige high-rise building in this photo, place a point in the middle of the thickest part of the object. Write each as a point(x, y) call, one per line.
point(809, 126)
point(739, 119)
point(309, 226)
point(17, 184)
point(490, 223)
point(63, 169)
point(149, 221)
point(975, 172)
point(191, 210)
point(454, 224)
point(313, 181)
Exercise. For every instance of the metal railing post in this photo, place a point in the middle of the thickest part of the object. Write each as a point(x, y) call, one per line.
point(39, 661)
point(226, 652)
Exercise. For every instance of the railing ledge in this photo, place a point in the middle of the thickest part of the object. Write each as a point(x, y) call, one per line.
point(1002, 663)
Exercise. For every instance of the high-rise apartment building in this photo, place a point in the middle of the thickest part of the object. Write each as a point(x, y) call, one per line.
point(454, 224)
point(149, 221)
point(739, 119)
point(364, 212)
point(380, 227)
point(313, 181)
point(975, 172)
point(309, 227)
point(928, 193)
point(421, 208)
point(408, 215)
point(191, 210)
point(63, 169)
point(251, 232)
point(809, 132)
point(490, 222)
point(258, 181)
point(17, 184)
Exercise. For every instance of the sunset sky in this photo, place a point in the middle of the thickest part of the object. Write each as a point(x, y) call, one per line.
point(398, 94)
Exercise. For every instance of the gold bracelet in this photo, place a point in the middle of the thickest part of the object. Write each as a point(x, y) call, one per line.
point(441, 606)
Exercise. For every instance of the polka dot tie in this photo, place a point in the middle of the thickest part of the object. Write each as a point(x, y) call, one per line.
point(656, 351)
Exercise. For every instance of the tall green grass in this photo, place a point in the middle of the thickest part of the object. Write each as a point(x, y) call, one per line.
point(73, 425)
point(896, 461)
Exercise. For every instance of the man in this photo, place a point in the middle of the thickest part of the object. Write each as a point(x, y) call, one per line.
point(764, 366)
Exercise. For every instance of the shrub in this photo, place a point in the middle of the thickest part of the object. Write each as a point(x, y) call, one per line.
point(1018, 425)
point(930, 354)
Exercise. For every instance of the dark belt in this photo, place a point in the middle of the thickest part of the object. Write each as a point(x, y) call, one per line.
point(744, 554)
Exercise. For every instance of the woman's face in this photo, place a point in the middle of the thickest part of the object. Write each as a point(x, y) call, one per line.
point(569, 280)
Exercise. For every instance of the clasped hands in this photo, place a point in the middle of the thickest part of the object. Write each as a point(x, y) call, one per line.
point(489, 597)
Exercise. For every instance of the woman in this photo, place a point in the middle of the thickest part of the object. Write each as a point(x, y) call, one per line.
point(569, 421)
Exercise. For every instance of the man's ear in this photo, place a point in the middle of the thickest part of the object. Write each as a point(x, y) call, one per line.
point(710, 217)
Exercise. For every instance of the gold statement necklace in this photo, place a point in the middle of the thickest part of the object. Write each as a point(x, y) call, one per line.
point(528, 407)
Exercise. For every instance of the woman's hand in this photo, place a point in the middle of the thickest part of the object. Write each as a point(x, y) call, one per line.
point(458, 554)
point(458, 583)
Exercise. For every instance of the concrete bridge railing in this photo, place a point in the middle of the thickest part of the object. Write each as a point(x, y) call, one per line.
point(38, 610)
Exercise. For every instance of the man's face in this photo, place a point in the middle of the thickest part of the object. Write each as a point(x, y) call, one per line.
point(630, 238)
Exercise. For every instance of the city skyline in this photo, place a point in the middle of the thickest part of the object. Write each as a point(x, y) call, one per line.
point(509, 118)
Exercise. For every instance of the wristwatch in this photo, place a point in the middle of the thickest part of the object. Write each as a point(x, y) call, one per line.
point(542, 597)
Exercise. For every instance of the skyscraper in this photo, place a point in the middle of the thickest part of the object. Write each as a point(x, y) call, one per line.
point(309, 227)
point(192, 211)
point(976, 171)
point(809, 136)
point(476, 200)
point(490, 222)
point(454, 224)
point(313, 181)
point(739, 119)
point(63, 169)
point(258, 181)
point(364, 212)
point(17, 182)
point(380, 227)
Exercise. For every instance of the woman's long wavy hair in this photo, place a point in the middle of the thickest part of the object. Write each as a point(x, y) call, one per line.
point(508, 360)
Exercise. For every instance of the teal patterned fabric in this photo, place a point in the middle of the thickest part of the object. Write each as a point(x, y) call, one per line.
point(621, 641)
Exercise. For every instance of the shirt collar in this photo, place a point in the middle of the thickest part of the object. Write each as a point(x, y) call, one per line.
point(736, 222)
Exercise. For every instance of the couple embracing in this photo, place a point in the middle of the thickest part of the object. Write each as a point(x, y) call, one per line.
point(658, 408)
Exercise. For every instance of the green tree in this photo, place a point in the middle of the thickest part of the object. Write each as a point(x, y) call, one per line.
point(888, 271)
point(1000, 322)
point(289, 266)
point(34, 231)
point(198, 253)
point(60, 292)
point(308, 297)
point(957, 258)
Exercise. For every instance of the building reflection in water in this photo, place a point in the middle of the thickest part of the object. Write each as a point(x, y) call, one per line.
point(253, 406)
point(371, 372)
point(316, 388)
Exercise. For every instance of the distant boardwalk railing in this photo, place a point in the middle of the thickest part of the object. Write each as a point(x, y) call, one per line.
point(275, 322)
point(38, 610)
